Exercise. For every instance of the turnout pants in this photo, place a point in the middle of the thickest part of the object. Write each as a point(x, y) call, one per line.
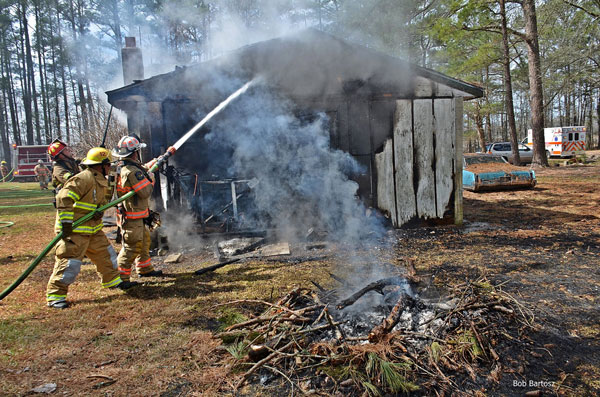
point(136, 248)
point(69, 257)
point(43, 180)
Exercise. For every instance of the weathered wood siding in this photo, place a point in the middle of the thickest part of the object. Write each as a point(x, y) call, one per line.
point(385, 182)
point(424, 157)
point(420, 159)
point(458, 161)
point(443, 131)
point(403, 160)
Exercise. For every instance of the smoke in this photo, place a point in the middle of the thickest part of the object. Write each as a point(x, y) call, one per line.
point(303, 183)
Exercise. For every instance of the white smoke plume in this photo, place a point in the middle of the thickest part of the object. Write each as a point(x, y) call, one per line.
point(303, 183)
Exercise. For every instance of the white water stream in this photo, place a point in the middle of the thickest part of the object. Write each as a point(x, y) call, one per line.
point(210, 115)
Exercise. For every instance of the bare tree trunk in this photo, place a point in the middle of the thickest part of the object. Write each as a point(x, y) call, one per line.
point(31, 75)
point(79, 70)
point(79, 123)
point(590, 129)
point(25, 84)
point(584, 100)
point(10, 92)
point(536, 94)
point(90, 97)
point(488, 124)
point(510, 110)
point(55, 83)
point(4, 113)
point(598, 117)
point(568, 89)
point(41, 70)
point(63, 79)
point(479, 126)
point(4, 133)
point(583, 104)
point(560, 112)
point(116, 21)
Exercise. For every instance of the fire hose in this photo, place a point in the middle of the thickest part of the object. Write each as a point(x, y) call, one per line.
point(152, 167)
point(9, 172)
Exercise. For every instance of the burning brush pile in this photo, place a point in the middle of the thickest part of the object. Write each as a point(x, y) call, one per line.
point(383, 339)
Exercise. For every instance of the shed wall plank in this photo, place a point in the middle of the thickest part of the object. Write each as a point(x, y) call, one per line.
point(403, 158)
point(386, 198)
point(424, 158)
point(442, 90)
point(444, 118)
point(423, 87)
point(458, 162)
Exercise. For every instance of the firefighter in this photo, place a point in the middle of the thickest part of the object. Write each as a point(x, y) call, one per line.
point(81, 194)
point(43, 174)
point(134, 212)
point(64, 165)
point(3, 170)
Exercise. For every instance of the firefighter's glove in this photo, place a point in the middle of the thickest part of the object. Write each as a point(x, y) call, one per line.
point(98, 215)
point(67, 229)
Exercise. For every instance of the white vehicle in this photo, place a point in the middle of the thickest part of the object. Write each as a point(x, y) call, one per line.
point(561, 141)
point(504, 149)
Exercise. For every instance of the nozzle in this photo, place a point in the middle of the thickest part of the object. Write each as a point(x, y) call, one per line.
point(150, 164)
point(158, 162)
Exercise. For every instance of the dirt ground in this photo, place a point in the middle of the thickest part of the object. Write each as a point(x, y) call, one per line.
point(540, 245)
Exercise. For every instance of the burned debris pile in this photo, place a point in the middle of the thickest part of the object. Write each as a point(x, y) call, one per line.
point(382, 339)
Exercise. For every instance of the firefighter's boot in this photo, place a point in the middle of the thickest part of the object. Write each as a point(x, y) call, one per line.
point(123, 285)
point(153, 273)
point(61, 304)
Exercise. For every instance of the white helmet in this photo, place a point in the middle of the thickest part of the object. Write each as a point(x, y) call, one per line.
point(40, 161)
point(127, 146)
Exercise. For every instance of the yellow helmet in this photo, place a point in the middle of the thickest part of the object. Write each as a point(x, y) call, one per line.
point(3, 162)
point(97, 155)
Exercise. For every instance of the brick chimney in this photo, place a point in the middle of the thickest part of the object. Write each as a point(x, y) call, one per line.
point(133, 64)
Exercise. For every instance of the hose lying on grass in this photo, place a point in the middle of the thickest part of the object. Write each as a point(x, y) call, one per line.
point(9, 173)
point(25, 205)
point(25, 193)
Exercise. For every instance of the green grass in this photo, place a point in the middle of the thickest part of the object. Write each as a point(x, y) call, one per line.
point(31, 225)
point(17, 334)
point(18, 194)
point(230, 317)
point(19, 186)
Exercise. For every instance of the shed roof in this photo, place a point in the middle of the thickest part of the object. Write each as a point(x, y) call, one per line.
point(306, 64)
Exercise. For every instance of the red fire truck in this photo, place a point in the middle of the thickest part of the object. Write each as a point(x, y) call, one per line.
point(26, 157)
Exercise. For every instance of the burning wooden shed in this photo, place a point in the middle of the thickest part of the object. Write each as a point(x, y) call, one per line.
point(401, 122)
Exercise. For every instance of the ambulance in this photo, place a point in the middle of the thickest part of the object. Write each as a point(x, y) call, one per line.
point(561, 141)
